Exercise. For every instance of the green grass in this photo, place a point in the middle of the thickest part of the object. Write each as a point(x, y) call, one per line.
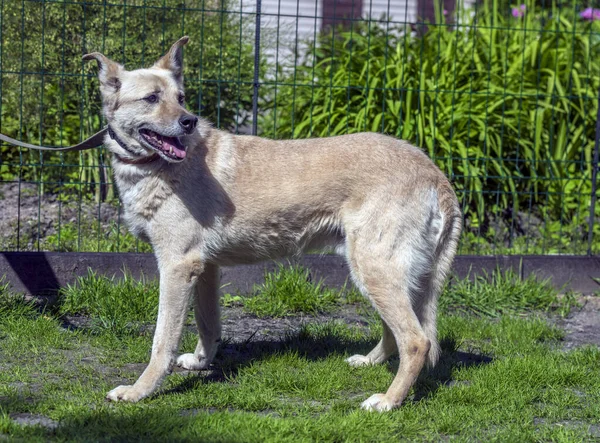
point(287, 291)
point(501, 377)
point(290, 290)
point(119, 306)
point(504, 293)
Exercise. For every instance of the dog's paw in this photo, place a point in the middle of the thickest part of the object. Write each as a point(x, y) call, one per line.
point(359, 360)
point(192, 363)
point(125, 393)
point(377, 403)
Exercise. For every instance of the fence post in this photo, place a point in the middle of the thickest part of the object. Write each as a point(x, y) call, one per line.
point(256, 69)
point(594, 180)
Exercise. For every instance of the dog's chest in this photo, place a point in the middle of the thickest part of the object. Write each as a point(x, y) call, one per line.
point(142, 199)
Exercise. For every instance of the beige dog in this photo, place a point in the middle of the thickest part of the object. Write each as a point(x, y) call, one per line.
point(205, 198)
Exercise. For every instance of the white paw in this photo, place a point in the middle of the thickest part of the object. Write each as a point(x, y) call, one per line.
point(192, 363)
point(359, 360)
point(378, 403)
point(125, 393)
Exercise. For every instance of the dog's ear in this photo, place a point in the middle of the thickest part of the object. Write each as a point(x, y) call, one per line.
point(173, 60)
point(108, 72)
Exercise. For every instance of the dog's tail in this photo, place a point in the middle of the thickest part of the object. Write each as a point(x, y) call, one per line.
point(445, 248)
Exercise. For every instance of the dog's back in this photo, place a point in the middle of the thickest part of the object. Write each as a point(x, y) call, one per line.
point(293, 195)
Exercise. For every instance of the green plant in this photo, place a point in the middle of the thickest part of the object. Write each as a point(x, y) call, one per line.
point(503, 293)
point(505, 106)
point(12, 304)
point(505, 379)
point(290, 290)
point(90, 236)
point(542, 237)
point(116, 305)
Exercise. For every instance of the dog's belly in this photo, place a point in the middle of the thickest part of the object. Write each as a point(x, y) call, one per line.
point(263, 244)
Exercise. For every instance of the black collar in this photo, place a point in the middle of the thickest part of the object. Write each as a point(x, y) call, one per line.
point(136, 161)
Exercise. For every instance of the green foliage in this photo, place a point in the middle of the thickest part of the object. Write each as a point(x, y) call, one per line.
point(89, 236)
point(546, 237)
point(503, 293)
point(119, 306)
point(50, 96)
point(290, 290)
point(506, 107)
point(14, 304)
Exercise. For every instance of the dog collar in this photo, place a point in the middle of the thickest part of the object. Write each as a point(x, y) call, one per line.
point(137, 161)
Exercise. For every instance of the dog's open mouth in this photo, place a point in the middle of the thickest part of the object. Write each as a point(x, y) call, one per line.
point(169, 146)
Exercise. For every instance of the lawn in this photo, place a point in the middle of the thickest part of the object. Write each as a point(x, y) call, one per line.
point(280, 375)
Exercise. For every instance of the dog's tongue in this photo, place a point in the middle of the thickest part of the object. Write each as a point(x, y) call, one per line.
point(172, 142)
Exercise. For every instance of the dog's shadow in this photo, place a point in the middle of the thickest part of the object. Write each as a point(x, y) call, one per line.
point(234, 356)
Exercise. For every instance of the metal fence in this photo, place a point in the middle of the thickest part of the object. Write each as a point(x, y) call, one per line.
point(504, 99)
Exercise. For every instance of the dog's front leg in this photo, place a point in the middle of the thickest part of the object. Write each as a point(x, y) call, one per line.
point(207, 312)
point(176, 285)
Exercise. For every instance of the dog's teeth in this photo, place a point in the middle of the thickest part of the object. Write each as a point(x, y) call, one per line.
point(171, 150)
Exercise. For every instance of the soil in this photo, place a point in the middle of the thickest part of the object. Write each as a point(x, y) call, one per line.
point(582, 325)
point(40, 214)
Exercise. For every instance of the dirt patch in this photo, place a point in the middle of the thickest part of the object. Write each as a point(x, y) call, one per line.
point(593, 430)
point(239, 326)
point(26, 419)
point(582, 326)
point(39, 214)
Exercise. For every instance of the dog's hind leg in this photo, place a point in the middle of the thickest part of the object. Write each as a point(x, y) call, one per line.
point(391, 258)
point(207, 313)
point(177, 281)
point(380, 353)
point(390, 293)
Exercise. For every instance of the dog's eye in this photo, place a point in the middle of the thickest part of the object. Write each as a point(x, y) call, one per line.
point(181, 99)
point(152, 98)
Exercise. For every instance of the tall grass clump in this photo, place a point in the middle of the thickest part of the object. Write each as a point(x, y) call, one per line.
point(505, 105)
point(503, 292)
point(120, 306)
point(14, 305)
point(291, 290)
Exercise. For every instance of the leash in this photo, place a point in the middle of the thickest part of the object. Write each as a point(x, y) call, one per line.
point(89, 143)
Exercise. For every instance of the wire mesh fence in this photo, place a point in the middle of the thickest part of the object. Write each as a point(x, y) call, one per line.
point(503, 97)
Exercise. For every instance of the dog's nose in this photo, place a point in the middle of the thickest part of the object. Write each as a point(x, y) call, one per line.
point(188, 123)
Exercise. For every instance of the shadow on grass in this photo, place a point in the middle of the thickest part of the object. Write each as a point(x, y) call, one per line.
point(131, 424)
point(232, 357)
point(432, 379)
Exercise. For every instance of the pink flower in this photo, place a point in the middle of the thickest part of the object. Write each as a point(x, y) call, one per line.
point(519, 12)
point(445, 12)
point(590, 14)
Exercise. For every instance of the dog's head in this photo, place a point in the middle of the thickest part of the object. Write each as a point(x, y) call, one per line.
point(144, 108)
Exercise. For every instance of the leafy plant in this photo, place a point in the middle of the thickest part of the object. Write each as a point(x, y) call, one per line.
point(90, 236)
point(505, 106)
point(503, 292)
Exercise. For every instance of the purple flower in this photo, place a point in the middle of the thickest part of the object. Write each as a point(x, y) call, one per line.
point(445, 12)
point(519, 12)
point(590, 14)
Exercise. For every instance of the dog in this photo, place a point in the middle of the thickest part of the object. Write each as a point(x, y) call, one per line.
point(205, 198)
